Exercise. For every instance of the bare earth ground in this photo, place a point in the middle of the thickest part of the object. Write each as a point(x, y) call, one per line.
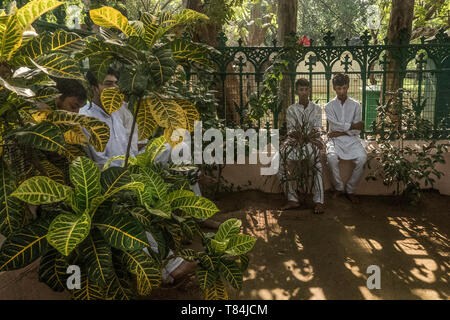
point(299, 255)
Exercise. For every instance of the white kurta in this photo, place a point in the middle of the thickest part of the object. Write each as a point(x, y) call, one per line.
point(297, 114)
point(339, 118)
point(119, 123)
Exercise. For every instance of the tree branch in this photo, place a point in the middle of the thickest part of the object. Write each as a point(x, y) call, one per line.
point(130, 139)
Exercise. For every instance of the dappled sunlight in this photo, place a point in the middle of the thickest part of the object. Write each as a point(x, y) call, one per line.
point(369, 294)
point(261, 223)
point(350, 264)
point(299, 255)
point(303, 273)
point(425, 270)
point(427, 294)
point(410, 246)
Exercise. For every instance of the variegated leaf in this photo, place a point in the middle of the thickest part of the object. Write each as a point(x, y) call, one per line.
point(34, 9)
point(123, 232)
point(67, 231)
point(108, 17)
point(240, 244)
point(111, 99)
point(52, 270)
point(11, 209)
point(228, 229)
point(147, 272)
point(196, 207)
point(145, 121)
point(59, 65)
point(24, 246)
point(85, 177)
point(42, 190)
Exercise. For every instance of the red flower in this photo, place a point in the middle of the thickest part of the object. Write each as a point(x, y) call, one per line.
point(304, 41)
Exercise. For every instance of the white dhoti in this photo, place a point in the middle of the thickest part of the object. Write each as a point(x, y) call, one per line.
point(346, 147)
point(318, 192)
point(333, 163)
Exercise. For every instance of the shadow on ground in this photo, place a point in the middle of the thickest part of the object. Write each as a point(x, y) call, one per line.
point(299, 255)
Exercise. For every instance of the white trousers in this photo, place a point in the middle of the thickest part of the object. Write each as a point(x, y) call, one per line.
point(171, 265)
point(318, 194)
point(352, 183)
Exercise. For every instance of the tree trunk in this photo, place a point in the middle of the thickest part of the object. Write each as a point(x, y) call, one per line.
point(287, 23)
point(208, 32)
point(399, 32)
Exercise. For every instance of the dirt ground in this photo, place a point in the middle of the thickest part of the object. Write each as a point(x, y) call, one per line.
point(299, 255)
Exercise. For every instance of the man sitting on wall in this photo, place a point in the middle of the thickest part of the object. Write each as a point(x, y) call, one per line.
point(344, 118)
point(306, 117)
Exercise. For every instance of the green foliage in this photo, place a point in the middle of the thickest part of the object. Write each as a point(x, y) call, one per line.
point(401, 165)
point(99, 219)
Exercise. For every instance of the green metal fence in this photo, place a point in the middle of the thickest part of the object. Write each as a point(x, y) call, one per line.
point(424, 69)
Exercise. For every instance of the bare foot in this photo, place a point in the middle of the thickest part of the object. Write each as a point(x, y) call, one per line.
point(290, 205)
point(319, 208)
point(209, 224)
point(353, 199)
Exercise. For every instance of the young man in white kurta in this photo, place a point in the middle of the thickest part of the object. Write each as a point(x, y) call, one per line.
point(310, 115)
point(344, 118)
point(120, 128)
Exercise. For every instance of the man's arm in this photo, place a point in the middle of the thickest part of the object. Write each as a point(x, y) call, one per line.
point(335, 125)
point(357, 124)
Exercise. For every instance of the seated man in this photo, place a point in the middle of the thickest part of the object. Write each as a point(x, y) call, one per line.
point(117, 145)
point(308, 114)
point(73, 95)
point(344, 119)
point(116, 121)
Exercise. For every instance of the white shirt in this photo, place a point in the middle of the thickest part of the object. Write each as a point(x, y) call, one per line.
point(297, 114)
point(340, 117)
point(119, 123)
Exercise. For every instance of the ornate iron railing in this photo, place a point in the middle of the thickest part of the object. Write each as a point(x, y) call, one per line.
point(423, 68)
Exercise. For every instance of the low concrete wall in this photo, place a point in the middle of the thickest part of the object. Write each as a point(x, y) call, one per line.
point(241, 174)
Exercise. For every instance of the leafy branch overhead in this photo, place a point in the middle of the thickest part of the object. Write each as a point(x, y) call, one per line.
point(149, 58)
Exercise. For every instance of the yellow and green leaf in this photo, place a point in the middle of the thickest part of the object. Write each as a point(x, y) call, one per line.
point(111, 99)
point(41, 190)
point(67, 231)
point(108, 17)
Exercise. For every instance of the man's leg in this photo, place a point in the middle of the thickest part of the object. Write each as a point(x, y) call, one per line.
point(318, 196)
point(176, 268)
point(357, 173)
point(288, 188)
point(333, 163)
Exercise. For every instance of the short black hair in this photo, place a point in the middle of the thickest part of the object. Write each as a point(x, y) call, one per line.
point(302, 82)
point(340, 79)
point(92, 79)
point(70, 88)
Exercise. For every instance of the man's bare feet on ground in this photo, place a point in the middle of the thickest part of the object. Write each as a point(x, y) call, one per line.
point(290, 205)
point(210, 224)
point(353, 199)
point(319, 208)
